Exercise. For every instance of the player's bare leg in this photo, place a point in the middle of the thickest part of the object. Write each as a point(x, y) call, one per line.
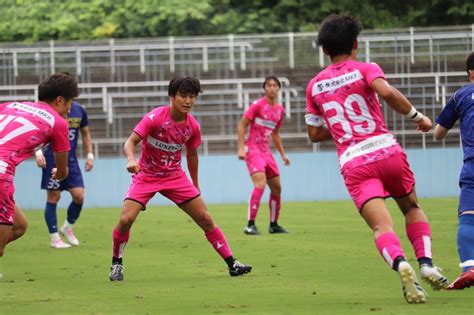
point(121, 235)
point(9, 233)
point(259, 181)
point(275, 204)
point(73, 212)
point(378, 218)
point(197, 210)
point(419, 234)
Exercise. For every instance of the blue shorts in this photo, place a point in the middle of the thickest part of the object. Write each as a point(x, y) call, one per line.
point(466, 183)
point(73, 180)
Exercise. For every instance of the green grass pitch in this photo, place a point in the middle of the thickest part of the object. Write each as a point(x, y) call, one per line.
point(328, 264)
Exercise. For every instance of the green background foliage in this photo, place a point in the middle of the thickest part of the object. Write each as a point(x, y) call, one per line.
point(30, 21)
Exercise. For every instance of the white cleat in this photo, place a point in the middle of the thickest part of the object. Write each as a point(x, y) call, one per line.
point(412, 290)
point(69, 235)
point(432, 275)
point(59, 244)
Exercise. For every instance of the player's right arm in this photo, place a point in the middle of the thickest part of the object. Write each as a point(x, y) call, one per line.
point(399, 103)
point(243, 124)
point(315, 124)
point(129, 150)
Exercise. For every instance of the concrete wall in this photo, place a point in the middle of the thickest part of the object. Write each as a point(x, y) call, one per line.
point(224, 179)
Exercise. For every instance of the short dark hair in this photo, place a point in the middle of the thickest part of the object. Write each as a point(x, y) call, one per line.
point(188, 85)
point(338, 33)
point(270, 78)
point(470, 62)
point(58, 84)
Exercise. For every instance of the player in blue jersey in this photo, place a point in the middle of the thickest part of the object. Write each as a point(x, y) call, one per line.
point(78, 123)
point(461, 106)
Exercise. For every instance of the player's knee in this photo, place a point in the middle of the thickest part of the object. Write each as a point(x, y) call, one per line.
point(78, 199)
point(276, 190)
point(126, 222)
point(20, 230)
point(54, 198)
point(205, 222)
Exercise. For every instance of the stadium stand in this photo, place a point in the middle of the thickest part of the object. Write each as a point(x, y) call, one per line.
point(120, 80)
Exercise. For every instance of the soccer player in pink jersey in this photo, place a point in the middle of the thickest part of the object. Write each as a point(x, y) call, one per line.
point(342, 104)
point(25, 126)
point(264, 116)
point(164, 132)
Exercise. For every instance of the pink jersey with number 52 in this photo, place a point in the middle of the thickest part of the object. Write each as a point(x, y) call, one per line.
point(342, 96)
point(25, 126)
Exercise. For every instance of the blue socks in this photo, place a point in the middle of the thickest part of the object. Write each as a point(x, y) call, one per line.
point(73, 212)
point(466, 241)
point(51, 218)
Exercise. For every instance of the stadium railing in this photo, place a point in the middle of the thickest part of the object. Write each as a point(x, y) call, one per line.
point(125, 60)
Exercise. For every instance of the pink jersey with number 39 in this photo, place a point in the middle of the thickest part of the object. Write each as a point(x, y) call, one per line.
point(341, 94)
point(25, 126)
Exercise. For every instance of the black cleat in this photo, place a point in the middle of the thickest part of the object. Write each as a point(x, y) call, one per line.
point(116, 272)
point(276, 229)
point(251, 230)
point(239, 269)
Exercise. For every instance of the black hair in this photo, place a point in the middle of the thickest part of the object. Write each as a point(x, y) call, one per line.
point(338, 33)
point(470, 62)
point(58, 84)
point(270, 78)
point(187, 85)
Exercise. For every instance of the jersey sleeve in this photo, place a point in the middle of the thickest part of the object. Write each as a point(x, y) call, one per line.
point(85, 119)
point(252, 111)
point(280, 121)
point(60, 136)
point(373, 71)
point(143, 128)
point(311, 108)
point(195, 140)
point(448, 116)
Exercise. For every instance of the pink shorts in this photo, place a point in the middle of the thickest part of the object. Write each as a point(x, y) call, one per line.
point(177, 188)
point(7, 204)
point(390, 177)
point(261, 162)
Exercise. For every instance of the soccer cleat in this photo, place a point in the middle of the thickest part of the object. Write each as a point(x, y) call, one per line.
point(239, 269)
point(116, 272)
point(432, 275)
point(465, 280)
point(412, 290)
point(251, 230)
point(59, 244)
point(69, 235)
point(276, 229)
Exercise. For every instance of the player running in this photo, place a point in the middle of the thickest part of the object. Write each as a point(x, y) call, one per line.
point(461, 106)
point(25, 126)
point(265, 117)
point(77, 122)
point(165, 131)
point(342, 105)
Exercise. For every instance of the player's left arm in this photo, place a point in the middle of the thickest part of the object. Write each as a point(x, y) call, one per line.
point(399, 103)
point(193, 165)
point(87, 142)
point(279, 146)
point(446, 119)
